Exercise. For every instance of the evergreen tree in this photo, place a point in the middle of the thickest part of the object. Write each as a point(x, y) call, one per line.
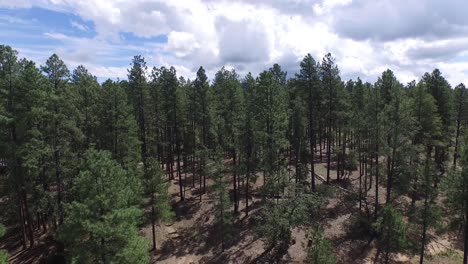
point(309, 80)
point(248, 137)
point(440, 90)
point(201, 121)
point(14, 113)
point(88, 89)
point(329, 74)
point(117, 127)
point(138, 94)
point(271, 121)
point(278, 217)
point(230, 109)
point(157, 188)
point(456, 191)
point(3, 253)
point(101, 223)
point(428, 213)
point(62, 129)
point(461, 118)
point(392, 231)
point(223, 217)
point(321, 249)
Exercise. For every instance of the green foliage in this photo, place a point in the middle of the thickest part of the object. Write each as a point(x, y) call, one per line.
point(87, 88)
point(270, 115)
point(222, 203)
point(3, 253)
point(391, 230)
point(157, 187)
point(278, 217)
point(456, 189)
point(101, 223)
point(320, 250)
point(49, 119)
point(117, 130)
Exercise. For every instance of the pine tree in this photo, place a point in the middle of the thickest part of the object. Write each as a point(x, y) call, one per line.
point(391, 229)
point(230, 108)
point(117, 128)
point(321, 249)
point(428, 212)
point(271, 121)
point(62, 128)
point(461, 120)
point(442, 93)
point(157, 188)
point(330, 78)
point(309, 80)
point(277, 217)
point(35, 150)
point(427, 133)
point(223, 217)
point(14, 124)
point(88, 89)
point(201, 117)
point(169, 86)
point(456, 191)
point(101, 223)
point(138, 94)
point(397, 130)
point(248, 137)
point(3, 253)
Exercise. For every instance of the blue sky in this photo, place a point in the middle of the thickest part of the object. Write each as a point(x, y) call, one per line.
point(366, 37)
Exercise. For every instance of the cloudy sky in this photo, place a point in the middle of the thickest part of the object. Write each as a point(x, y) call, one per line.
point(365, 36)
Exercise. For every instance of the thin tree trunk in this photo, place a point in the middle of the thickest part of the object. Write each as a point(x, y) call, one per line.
point(465, 246)
point(21, 220)
point(328, 151)
point(424, 231)
point(455, 153)
point(153, 221)
point(28, 218)
point(311, 137)
point(234, 182)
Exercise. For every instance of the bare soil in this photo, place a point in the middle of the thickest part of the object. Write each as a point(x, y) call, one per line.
point(192, 238)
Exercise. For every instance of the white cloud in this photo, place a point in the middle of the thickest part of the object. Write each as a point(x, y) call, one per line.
point(366, 37)
point(327, 5)
point(79, 26)
point(15, 3)
point(181, 43)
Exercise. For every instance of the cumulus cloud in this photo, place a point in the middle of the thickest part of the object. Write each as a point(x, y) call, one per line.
point(393, 19)
point(366, 37)
point(181, 43)
point(242, 41)
point(439, 50)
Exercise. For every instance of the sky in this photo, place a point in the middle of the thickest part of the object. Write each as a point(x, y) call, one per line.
point(366, 37)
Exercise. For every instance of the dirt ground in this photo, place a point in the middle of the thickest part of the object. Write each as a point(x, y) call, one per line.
point(191, 237)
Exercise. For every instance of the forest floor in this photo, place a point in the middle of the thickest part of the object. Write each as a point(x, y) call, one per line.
point(192, 238)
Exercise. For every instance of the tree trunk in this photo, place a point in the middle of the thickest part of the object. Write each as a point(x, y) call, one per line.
point(234, 182)
point(465, 246)
point(459, 113)
point(457, 136)
point(424, 231)
point(328, 151)
point(28, 218)
point(21, 220)
point(153, 221)
point(179, 174)
point(311, 137)
point(200, 168)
